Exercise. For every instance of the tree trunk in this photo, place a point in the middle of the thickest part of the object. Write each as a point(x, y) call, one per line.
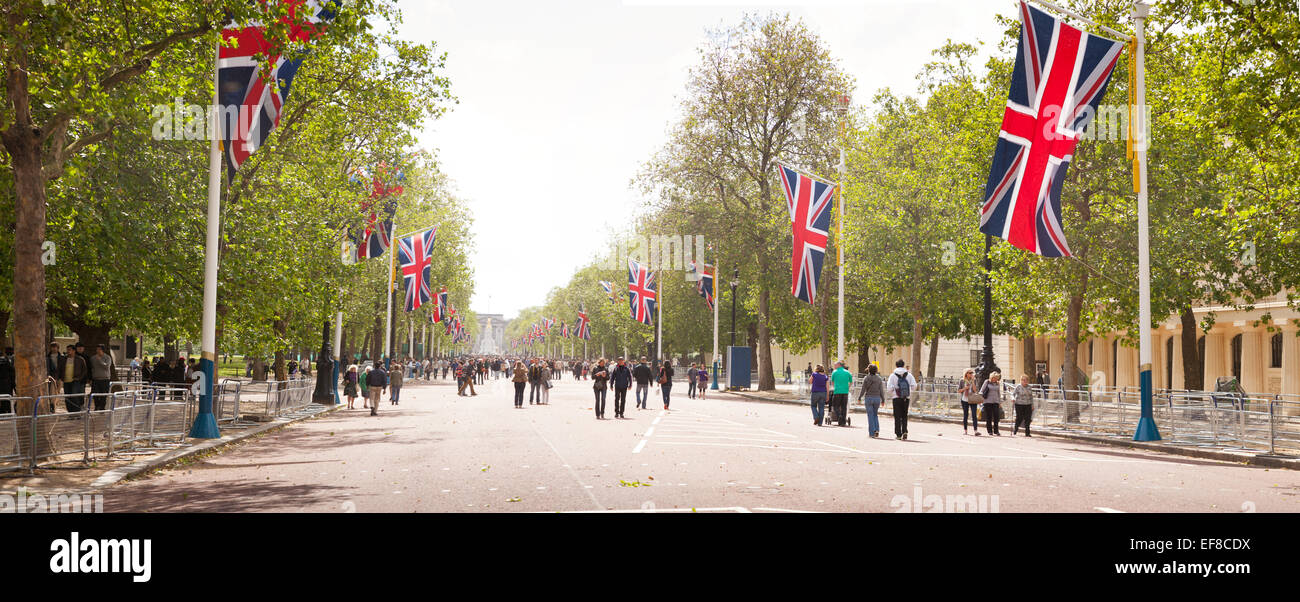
point(1193, 370)
point(934, 354)
point(21, 141)
point(259, 369)
point(1029, 343)
point(1070, 363)
point(766, 379)
point(281, 374)
point(344, 355)
point(864, 354)
point(170, 352)
point(917, 338)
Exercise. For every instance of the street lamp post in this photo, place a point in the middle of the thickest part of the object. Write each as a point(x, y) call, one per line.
point(324, 393)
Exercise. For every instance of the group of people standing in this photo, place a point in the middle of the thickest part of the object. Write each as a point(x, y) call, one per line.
point(372, 381)
point(979, 400)
point(619, 376)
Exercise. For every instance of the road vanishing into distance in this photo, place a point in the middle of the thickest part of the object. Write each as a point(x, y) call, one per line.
point(438, 452)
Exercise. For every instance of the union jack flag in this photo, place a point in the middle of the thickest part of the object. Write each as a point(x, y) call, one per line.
point(609, 290)
point(584, 326)
point(438, 304)
point(704, 286)
point(375, 238)
point(252, 102)
point(1060, 77)
point(641, 291)
point(810, 203)
point(415, 254)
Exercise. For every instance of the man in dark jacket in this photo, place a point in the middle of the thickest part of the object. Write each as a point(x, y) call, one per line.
point(376, 383)
point(621, 378)
point(73, 374)
point(52, 369)
point(535, 381)
point(642, 375)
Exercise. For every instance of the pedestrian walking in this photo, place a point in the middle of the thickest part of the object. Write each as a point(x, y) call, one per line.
point(1023, 396)
point(841, 381)
point(818, 398)
point(520, 379)
point(350, 386)
point(872, 394)
point(599, 377)
point(787, 373)
point(642, 375)
point(666, 379)
point(992, 408)
point(621, 379)
point(395, 377)
point(377, 381)
point(968, 405)
point(702, 381)
point(690, 382)
point(900, 386)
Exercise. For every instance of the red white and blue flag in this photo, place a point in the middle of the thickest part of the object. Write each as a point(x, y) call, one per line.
point(641, 291)
point(609, 290)
point(251, 101)
point(584, 326)
point(1060, 77)
point(415, 256)
point(704, 286)
point(439, 303)
point(810, 201)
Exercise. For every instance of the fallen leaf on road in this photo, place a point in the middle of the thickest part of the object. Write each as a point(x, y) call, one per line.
point(513, 499)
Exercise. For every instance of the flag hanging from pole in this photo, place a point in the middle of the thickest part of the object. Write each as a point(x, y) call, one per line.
point(704, 282)
point(641, 291)
point(1060, 77)
point(415, 254)
point(584, 326)
point(608, 287)
point(252, 102)
point(809, 201)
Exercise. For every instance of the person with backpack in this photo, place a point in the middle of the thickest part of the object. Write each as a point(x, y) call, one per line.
point(871, 395)
point(377, 382)
point(900, 386)
point(841, 380)
point(641, 372)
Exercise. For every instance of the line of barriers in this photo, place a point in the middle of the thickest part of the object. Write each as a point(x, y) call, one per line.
point(134, 419)
point(1269, 423)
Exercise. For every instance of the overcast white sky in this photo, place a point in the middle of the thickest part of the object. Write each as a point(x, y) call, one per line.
point(562, 101)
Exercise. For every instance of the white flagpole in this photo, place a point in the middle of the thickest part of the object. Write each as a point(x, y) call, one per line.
point(717, 269)
point(659, 321)
point(1146, 429)
point(839, 250)
point(424, 339)
point(392, 262)
point(205, 424)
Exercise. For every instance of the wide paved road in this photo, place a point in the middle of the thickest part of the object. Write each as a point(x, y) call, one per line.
point(437, 452)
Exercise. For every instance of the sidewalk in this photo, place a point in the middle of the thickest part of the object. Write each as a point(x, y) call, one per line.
point(78, 478)
point(1247, 457)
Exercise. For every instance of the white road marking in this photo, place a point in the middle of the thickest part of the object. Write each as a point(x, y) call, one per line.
point(639, 446)
point(649, 431)
point(1109, 510)
point(572, 472)
point(656, 420)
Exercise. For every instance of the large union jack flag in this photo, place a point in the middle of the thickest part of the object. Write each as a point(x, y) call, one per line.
point(415, 255)
point(584, 325)
point(641, 291)
point(810, 203)
point(1060, 77)
point(252, 102)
